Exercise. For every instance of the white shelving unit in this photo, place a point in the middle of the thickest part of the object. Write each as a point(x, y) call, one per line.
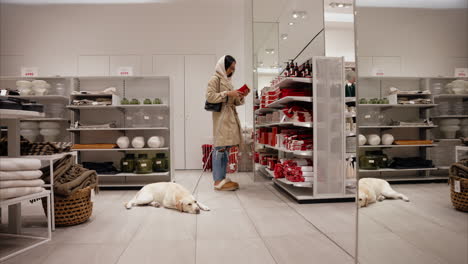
point(368, 89)
point(327, 88)
point(138, 87)
point(11, 118)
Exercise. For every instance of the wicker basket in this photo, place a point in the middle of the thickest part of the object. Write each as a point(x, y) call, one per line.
point(459, 173)
point(73, 210)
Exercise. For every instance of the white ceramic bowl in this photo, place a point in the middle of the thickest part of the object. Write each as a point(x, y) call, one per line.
point(449, 122)
point(29, 125)
point(362, 140)
point(373, 139)
point(50, 132)
point(39, 82)
point(23, 84)
point(123, 142)
point(449, 131)
point(387, 139)
point(154, 142)
point(29, 134)
point(49, 125)
point(138, 142)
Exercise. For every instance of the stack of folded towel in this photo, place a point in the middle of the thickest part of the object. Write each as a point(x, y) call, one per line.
point(19, 177)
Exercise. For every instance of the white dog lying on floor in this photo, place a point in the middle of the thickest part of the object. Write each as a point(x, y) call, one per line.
point(169, 195)
point(372, 190)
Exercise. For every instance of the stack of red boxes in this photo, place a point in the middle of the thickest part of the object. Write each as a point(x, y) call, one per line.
point(295, 170)
point(297, 114)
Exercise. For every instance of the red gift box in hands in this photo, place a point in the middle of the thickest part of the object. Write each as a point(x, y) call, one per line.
point(244, 89)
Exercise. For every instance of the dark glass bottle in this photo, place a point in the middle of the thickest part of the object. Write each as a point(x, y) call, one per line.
point(143, 164)
point(160, 163)
point(286, 71)
point(127, 163)
point(291, 68)
point(307, 69)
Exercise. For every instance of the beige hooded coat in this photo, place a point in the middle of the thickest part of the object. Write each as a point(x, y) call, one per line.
point(226, 124)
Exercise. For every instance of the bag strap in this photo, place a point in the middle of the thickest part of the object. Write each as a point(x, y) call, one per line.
point(219, 87)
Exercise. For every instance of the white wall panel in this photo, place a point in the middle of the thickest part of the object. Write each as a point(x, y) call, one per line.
point(92, 65)
point(428, 41)
point(10, 65)
point(391, 66)
point(198, 122)
point(365, 66)
point(125, 60)
point(173, 66)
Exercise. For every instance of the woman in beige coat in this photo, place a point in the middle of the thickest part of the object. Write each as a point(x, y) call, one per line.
point(226, 124)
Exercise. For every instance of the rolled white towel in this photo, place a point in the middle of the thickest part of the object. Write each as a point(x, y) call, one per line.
point(19, 164)
point(9, 193)
point(20, 175)
point(21, 183)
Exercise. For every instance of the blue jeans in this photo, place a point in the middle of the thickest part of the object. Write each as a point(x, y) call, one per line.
point(220, 158)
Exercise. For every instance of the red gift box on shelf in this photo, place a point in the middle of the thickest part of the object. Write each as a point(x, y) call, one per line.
point(292, 170)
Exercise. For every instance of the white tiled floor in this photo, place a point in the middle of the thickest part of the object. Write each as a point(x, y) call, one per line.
point(258, 224)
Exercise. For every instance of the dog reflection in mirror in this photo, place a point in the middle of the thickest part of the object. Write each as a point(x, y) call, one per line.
point(372, 190)
point(169, 195)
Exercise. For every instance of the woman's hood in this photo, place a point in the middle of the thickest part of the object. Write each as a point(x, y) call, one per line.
point(221, 69)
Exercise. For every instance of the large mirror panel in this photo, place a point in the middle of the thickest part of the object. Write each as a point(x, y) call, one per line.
point(412, 112)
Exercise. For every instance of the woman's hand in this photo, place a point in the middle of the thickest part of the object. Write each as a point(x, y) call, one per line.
point(234, 94)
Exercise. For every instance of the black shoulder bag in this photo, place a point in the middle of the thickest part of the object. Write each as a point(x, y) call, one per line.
point(214, 107)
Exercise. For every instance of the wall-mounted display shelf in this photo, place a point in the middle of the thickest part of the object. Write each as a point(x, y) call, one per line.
point(157, 119)
point(414, 88)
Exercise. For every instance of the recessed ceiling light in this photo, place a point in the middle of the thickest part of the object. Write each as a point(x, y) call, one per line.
point(303, 15)
point(291, 23)
point(284, 36)
point(340, 5)
point(270, 51)
point(295, 15)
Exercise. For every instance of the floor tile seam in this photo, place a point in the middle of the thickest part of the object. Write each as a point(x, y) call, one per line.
point(437, 258)
point(140, 225)
point(319, 230)
point(257, 231)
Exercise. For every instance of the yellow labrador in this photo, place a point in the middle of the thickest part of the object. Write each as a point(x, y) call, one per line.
point(169, 195)
point(372, 190)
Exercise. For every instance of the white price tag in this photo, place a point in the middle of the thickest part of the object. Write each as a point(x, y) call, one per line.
point(371, 161)
point(93, 195)
point(378, 72)
point(461, 72)
point(158, 162)
point(457, 186)
point(143, 165)
point(146, 117)
point(29, 71)
point(125, 163)
point(125, 71)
